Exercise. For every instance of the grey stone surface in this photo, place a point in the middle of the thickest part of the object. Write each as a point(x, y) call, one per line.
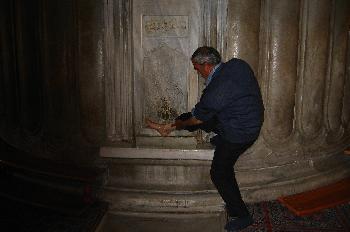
point(162, 222)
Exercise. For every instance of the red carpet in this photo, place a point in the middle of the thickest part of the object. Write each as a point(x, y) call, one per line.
point(318, 199)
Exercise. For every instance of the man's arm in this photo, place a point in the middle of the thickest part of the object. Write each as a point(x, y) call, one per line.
point(181, 124)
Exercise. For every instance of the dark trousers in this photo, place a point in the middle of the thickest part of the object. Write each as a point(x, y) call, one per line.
point(222, 174)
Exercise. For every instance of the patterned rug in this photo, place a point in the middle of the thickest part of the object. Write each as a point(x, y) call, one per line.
point(274, 217)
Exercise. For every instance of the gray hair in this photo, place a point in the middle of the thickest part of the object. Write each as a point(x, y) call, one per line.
point(206, 55)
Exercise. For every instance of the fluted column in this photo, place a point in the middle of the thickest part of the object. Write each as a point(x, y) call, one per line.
point(337, 92)
point(52, 82)
point(279, 70)
point(303, 74)
point(20, 78)
point(90, 55)
point(314, 54)
point(243, 26)
point(118, 72)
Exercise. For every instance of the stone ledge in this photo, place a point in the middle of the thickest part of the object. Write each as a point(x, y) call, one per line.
point(155, 153)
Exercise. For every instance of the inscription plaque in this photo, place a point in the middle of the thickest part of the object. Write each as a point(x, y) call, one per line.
point(165, 26)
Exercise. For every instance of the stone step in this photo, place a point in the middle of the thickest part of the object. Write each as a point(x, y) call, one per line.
point(163, 222)
point(153, 201)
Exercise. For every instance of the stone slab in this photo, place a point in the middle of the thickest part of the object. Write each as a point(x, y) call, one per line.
point(154, 153)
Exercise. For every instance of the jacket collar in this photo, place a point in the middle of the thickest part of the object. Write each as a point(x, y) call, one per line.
point(211, 74)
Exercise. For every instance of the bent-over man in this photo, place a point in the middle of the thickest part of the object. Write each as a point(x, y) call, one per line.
point(230, 106)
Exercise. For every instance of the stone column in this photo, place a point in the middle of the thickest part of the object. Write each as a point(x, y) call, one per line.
point(303, 73)
point(52, 78)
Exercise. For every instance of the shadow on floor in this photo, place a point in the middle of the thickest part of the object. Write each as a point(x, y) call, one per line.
point(21, 217)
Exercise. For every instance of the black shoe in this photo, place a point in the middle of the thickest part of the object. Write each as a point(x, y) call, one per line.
point(236, 224)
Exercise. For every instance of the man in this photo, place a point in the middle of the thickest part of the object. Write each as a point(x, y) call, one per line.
point(231, 106)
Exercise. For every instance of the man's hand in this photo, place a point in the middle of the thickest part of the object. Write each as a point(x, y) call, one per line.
point(163, 129)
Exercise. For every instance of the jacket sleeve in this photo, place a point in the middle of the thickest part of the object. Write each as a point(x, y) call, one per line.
point(184, 117)
point(206, 126)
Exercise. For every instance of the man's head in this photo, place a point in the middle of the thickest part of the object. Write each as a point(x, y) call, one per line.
point(204, 59)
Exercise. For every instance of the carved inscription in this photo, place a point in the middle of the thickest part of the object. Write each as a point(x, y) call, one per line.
point(165, 26)
point(177, 203)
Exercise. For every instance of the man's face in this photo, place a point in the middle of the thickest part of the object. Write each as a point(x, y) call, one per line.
point(202, 69)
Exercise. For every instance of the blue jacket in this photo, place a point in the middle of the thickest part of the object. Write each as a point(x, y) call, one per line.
point(233, 100)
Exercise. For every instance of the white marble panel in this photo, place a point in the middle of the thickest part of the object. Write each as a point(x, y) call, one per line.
point(156, 153)
point(165, 34)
